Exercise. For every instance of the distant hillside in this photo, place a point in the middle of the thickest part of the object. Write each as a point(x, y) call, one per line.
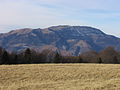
point(66, 39)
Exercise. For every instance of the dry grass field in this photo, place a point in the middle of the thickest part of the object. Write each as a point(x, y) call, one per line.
point(60, 77)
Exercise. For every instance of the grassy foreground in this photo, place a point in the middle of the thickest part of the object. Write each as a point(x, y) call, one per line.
point(60, 77)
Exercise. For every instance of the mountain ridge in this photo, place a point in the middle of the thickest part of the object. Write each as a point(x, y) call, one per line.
point(68, 39)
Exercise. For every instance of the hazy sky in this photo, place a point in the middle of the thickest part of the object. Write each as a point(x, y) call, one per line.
point(102, 14)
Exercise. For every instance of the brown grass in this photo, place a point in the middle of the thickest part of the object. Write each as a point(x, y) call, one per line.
point(60, 77)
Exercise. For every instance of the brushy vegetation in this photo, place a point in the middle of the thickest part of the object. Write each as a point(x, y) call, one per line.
point(28, 56)
point(60, 77)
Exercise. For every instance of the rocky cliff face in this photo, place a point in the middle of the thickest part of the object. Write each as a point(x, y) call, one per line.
point(67, 39)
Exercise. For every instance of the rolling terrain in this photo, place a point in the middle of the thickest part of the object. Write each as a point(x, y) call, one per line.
point(60, 77)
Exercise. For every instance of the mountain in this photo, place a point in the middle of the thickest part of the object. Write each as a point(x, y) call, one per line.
point(66, 39)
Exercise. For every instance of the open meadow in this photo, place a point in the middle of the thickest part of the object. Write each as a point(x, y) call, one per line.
point(60, 77)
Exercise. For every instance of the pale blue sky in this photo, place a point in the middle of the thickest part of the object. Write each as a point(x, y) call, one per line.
point(102, 14)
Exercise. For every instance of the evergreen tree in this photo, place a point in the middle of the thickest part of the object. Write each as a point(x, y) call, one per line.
point(80, 60)
point(15, 60)
point(115, 60)
point(27, 56)
point(1, 51)
point(57, 58)
point(100, 60)
point(5, 58)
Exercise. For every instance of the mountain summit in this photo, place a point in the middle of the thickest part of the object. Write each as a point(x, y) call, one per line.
point(67, 39)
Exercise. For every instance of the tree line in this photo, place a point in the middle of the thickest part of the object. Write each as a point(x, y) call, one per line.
point(28, 56)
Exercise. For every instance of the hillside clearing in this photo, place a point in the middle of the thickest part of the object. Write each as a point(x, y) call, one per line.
point(60, 77)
